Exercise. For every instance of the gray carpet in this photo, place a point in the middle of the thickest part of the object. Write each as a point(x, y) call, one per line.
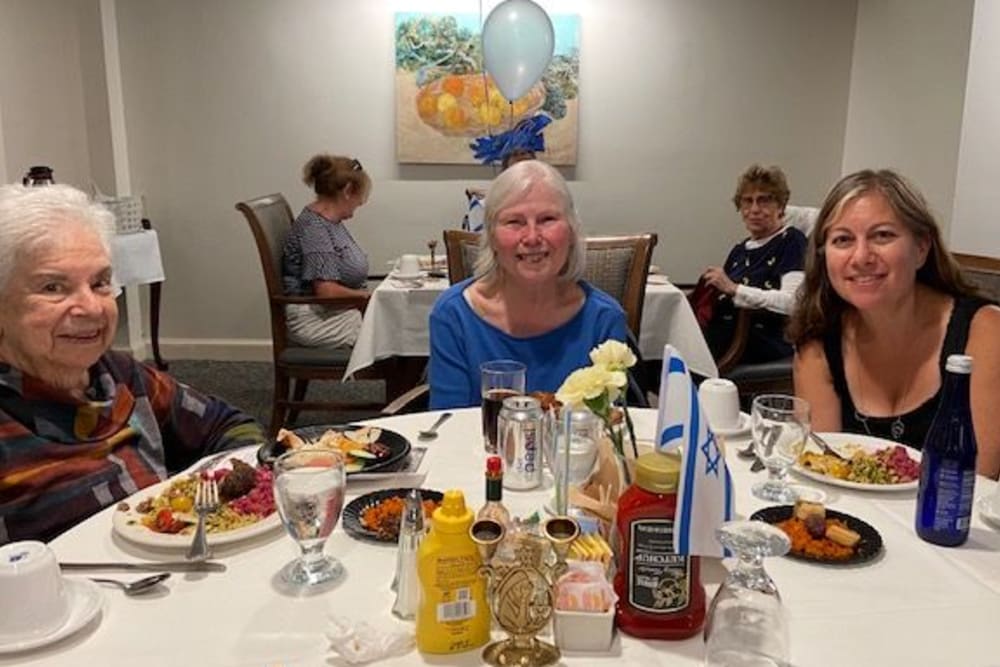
point(248, 385)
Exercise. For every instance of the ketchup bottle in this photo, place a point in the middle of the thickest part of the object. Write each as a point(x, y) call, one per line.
point(660, 594)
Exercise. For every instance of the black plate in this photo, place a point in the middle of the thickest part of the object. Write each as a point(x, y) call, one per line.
point(352, 513)
point(399, 447)
point(868, 547)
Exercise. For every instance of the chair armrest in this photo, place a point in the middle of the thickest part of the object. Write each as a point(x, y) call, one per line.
point(346, 302)
point(404, 403)
point(738, 345)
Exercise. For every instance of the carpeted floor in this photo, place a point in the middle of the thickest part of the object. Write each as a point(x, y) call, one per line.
point(248, 385)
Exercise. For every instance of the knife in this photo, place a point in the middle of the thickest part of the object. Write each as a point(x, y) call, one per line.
point(162, 566)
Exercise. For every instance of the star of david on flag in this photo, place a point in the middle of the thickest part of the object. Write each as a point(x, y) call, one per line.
point(705, 488)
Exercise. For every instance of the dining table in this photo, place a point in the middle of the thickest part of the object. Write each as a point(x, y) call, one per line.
point(395, 323)
point(914, 604)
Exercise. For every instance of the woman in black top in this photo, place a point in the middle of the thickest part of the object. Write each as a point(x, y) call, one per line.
point(761, 272)
point(882, 306)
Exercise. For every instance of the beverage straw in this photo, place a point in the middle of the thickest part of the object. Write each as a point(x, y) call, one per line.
point(562, 472)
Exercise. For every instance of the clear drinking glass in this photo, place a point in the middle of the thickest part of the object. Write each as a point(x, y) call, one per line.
point(780, 427)
point(309, 491)
point(501, 379)
point(747, 625)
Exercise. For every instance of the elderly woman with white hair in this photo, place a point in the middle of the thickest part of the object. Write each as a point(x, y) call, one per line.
point(81, 426)
point(526, 300)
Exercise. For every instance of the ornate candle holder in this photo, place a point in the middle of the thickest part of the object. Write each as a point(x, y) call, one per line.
point(522, 590)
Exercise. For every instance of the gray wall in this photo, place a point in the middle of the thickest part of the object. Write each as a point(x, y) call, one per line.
point(907, 92)
point(225, 100)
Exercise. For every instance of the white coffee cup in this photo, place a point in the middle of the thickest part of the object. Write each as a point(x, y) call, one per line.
point(720, 401)
point(408, 265)
point(29, 575)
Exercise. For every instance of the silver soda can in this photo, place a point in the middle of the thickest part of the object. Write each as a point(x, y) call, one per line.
point(519, 431)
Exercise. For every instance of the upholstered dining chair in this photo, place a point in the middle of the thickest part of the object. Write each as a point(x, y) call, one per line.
point(983, 272)
point(770, 377)
point(462, 248)
point(269, 219)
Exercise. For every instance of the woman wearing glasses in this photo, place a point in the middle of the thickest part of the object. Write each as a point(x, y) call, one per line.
point(321, 258)
point(761, 272)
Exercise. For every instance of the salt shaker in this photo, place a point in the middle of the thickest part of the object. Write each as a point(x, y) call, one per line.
point(411, 532)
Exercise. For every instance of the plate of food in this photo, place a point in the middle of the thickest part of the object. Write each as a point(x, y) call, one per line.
point(822, 535)
point(868, 463)
point(163, 515)
point(365, 448)
point(375, 516)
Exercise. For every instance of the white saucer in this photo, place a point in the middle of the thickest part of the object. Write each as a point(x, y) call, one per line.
point(399, 275)
point(742, 429)
point(989, 509)
point(85, 601)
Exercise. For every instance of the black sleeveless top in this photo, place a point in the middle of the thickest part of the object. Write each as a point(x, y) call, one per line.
point(909, 428)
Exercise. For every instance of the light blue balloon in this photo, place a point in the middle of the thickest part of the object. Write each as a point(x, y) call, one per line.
point(518, 42)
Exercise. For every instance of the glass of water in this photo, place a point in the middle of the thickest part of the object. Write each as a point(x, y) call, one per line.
point(780, 426)
point(746, 624)
point(309, 491)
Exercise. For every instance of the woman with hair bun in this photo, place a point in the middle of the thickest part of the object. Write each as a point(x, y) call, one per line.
point(321, 258)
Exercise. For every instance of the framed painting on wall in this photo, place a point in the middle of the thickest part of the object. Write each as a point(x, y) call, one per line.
point(448, 110)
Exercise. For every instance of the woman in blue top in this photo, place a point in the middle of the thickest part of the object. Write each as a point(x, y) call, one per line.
point(321, 258)
point(526, 300)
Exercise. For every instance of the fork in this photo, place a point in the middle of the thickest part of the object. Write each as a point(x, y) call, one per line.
point(827, 449)
point(206, 500)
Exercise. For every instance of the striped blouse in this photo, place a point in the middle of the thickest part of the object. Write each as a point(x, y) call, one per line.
point(63, 459)
point(318, 249)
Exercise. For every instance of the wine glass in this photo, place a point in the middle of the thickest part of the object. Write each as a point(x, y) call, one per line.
point(747, 625)
point(309, 491)
point(780, 427)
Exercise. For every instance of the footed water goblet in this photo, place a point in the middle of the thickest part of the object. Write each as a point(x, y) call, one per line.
point(746, 624)
point(780, 426)
point(309, 491)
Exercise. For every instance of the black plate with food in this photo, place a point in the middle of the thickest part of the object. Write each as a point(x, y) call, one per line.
point(374, 517)
point(868, 546)
point(366, 448)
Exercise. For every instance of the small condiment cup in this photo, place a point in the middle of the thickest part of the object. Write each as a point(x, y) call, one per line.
point(720, 401)
point(29, 574)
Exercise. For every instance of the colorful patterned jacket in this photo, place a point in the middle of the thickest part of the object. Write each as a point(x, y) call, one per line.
point(63, 459)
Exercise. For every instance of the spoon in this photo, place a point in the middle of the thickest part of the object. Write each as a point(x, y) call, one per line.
point(431, 433)
point(137, 587)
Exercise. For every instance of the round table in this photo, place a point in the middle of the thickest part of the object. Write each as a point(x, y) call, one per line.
point(918, 604)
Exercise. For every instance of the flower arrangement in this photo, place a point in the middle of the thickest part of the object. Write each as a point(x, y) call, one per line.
point(600, 387)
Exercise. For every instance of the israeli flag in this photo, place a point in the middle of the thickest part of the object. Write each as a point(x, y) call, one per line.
point(705, 490)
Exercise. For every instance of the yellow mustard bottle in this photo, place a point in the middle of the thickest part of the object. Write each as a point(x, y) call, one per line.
point(453, 615)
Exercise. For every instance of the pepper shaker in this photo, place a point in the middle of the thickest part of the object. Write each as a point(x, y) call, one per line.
point(411, 533)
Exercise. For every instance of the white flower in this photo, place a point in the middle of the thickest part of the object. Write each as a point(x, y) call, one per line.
point(613, 355)
point(589, 383)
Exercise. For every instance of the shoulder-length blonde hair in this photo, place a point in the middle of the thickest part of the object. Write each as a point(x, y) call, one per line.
point(509, 187)
point(819, 307)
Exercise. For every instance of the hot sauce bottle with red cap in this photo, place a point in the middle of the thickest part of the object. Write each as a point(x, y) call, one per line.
point(494, 507)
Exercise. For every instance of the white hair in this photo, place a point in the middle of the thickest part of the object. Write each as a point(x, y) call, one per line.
point(30, 217)
point(512, 184)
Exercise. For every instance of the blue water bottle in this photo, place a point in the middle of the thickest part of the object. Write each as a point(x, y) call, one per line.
point(948, 466)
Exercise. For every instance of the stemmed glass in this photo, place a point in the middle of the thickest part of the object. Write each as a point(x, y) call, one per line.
point(747, 625)
point(780, 426)
point(309, 491)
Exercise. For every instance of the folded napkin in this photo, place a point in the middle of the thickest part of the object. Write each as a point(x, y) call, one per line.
point(358, 642)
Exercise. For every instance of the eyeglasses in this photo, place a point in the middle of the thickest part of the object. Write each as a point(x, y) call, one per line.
point(760, 200)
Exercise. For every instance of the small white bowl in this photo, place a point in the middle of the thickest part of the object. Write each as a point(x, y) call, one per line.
point(591, 631)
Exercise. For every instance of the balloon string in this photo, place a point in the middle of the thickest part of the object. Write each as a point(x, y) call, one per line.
point(486, 84)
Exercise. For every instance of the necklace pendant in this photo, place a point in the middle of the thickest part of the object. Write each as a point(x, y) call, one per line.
point(897, 429)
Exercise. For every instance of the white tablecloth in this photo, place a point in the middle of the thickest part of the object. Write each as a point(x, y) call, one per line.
point(916, 605)
point(135, 258)
point(395, 324)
